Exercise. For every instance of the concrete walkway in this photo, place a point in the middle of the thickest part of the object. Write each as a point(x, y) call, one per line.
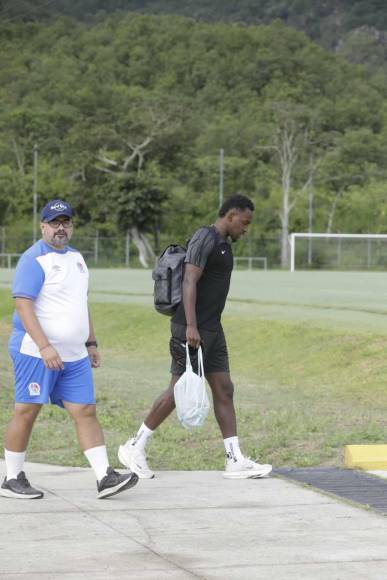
point(185, 525)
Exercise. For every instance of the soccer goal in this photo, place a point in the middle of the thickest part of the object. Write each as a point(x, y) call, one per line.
point(338, 251)
point(250, 262)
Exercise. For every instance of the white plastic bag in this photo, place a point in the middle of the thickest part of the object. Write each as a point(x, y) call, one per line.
point(192, 404)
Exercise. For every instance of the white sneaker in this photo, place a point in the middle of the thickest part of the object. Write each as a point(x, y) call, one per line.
point(135, 460)
point(245, 468)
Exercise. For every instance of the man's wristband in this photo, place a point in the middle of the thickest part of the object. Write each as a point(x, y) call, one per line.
point(91, 343)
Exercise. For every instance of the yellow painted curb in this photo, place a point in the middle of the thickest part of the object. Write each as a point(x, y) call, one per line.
point(365, 456)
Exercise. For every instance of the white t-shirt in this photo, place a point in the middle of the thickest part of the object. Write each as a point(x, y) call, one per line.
point(57, 283)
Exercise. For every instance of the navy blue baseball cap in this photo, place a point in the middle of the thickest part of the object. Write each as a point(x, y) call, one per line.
point(55, 208)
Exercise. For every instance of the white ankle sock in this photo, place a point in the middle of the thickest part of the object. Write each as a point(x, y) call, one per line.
point(14, 462)
point(98, 459)
point(231, 445)
point(141, 438)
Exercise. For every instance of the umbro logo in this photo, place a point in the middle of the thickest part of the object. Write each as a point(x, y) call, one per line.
point(222, 251)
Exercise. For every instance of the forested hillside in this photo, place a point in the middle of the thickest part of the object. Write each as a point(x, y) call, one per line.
point(324, 20)
point(355, 28)
point(129, 113)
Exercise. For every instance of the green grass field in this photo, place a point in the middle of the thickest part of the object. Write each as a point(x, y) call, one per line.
point(308, 359)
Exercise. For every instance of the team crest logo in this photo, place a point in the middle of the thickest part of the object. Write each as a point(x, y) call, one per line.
point(59, 206)
point(81, 267)
point(34, 389)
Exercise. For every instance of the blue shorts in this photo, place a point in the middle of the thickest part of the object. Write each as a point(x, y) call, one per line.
point(34, 383)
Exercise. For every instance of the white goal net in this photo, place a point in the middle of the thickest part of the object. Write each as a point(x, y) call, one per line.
point(338, 251)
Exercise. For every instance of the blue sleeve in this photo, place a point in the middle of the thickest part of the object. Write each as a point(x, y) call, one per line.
point(29, 278)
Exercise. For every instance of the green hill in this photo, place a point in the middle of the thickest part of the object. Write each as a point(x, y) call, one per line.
point(327, 21)
point(130, 111)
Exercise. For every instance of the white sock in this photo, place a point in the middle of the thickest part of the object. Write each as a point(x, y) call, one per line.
point(141, 438)
point(14, 462)
point(98, 459)
point(231, 445)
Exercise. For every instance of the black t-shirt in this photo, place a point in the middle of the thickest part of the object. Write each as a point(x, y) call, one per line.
point(209, 251)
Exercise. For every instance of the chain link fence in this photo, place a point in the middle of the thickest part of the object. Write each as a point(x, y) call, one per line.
point(119, 251)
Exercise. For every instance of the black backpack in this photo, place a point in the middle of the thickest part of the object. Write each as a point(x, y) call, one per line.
point(168, 276)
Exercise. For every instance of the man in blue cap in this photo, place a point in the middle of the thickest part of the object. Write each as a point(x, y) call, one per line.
point(53, 348)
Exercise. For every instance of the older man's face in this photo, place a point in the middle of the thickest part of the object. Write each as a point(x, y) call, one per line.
point(57, 232)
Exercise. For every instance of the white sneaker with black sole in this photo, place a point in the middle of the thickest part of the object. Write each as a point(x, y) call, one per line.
point(245, 468)
point(135, 460)
point(19, 488)
point(115, 482)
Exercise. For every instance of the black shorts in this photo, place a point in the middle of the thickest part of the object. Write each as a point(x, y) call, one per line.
point(215, 355)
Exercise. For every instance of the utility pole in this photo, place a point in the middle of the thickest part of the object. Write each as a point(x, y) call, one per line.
point(221, 172)
point(35, 195)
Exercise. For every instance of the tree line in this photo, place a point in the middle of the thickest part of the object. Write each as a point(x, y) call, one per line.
point(129, 113)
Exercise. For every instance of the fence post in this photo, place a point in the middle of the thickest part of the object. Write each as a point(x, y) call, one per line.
point(127, 249)
point(338, 252)
point(2, 240)
point(96, 244)
point(369, 258)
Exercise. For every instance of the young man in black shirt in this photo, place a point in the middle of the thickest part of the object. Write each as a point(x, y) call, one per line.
point(208, 267)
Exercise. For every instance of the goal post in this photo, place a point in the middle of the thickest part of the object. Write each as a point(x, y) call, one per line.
point(366, 239)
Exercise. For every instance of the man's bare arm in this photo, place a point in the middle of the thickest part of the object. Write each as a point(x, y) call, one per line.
point(95, 357)
point(192, 275)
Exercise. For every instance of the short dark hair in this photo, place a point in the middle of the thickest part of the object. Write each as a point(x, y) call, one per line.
point(236, 201)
